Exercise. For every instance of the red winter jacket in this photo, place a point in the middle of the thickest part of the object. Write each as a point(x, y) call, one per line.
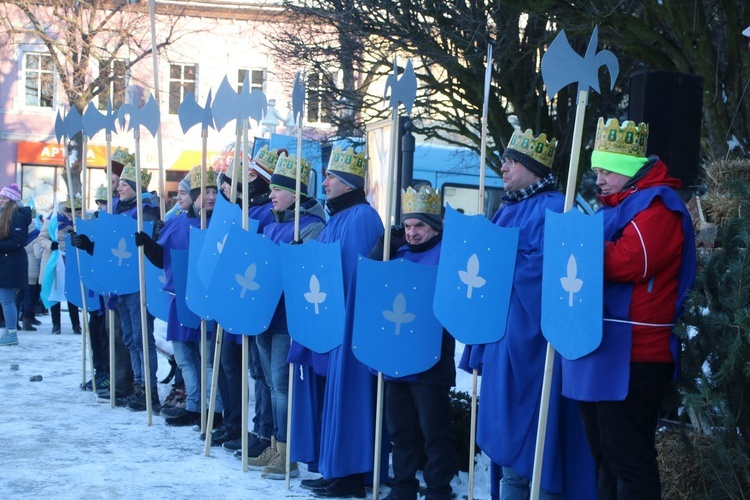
point(648, 255)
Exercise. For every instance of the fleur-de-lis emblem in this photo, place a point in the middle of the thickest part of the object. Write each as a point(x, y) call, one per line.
point(247, 282)
point(571, 283)
point(220, 244)
point(399, 316)
point(162, 279)
point(121, 251)
point(315, 296)
point(471, 277)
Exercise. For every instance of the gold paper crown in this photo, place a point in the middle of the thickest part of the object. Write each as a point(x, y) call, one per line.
point(626, 139)
point(101, 193)
point(194, 176)
point(348, 162)
point(128, 174)
point(76, 203)
point(424, 201)
point(267, 160)
point(287, 167)
point(123, 157)
point(537, 148)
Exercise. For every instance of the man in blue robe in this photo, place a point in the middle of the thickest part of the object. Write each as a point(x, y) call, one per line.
point(513, 367)
point(348, 416)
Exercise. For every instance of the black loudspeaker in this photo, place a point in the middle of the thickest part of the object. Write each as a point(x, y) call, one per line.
point(671, 103)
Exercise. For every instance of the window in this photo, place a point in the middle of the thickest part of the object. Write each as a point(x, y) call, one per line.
point(319, 103)
point(39, 80)
point(257, 78)
point(181, 81)
point(114, 77)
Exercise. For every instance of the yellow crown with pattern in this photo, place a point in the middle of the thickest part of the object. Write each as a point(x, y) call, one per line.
point(424, 201)
point(194, 176)
point(348, 162)
point(129, 173)
point(536, 148)
point(626, 139)
point(101, 193)
point(287, 169)
point(267, 160)
point(123, 157)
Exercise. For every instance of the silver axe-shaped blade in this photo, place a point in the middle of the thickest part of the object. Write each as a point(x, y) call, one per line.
point(226, 105)
point(404, 89)
point(148, 115)
point(561, 65)
point(73, 122)
point(59, 127)
point(298, 97)
point(191, 113)
point(94, 120)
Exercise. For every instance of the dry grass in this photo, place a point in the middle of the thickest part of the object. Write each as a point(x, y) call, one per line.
point(679, 463)
point(718, 205)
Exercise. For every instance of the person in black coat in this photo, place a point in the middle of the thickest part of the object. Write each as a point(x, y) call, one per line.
point(14, 229)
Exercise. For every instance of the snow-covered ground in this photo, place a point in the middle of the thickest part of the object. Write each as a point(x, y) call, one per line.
point(57, 442)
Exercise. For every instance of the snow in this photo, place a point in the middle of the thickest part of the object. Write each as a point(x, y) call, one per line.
point(58, 442)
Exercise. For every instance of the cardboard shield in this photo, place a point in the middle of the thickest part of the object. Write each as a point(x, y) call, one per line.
point(314, 294)
point(224, 217)
point(475, 277)
point(195, 293)
point(90, 280)
point(115, 253)
point(180, 265)
point(157, 299)
point(573, 282)
point(395, 329)
point(246, 285)
point(73, 280)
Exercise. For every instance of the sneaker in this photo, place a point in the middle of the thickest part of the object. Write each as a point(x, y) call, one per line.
point(277, 468)
point(102, 382)
point(172, 411)
point(236, 444)
point(55, 329)
point(102, 396)
point(187, 418)
point(137, 402)
point(176, 398)
point(264, 459)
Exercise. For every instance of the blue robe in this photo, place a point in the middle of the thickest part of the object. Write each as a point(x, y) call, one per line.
point(348, 424)
point(513, 369)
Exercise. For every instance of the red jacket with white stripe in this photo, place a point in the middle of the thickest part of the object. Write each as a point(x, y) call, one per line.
point(648, 255)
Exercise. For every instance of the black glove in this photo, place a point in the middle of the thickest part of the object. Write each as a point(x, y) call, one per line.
point(151, 249)
point(398, 239)
point(82, 242)
point(54, 246)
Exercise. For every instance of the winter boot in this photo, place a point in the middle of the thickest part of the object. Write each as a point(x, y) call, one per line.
point(9, 338)
point(277, 468)
point(28, 326)
point(265, 458)
point(56, 330)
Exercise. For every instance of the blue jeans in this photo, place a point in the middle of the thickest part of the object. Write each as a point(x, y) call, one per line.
point(10, 310)
point(263, 419)
point(517, 487)
point(129, 306)
point(273, 347)
point(188, 357)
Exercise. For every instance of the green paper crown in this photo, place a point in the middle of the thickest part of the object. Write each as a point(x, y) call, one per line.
point(128, 174)
point(267, 160)
point(348, 162)
point(195, 177)
point(123, 157)
point(626, 139)
point(424, 201)
point(537, 148)
point(101, 193)
point(287, 167)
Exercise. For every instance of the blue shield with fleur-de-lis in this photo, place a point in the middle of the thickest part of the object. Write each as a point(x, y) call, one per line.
point(246, 285)
point(180, 265)
point(157, 299)
point(573, 282)
point(73, 280)
point(195, 290)
point(475, 277)
point(89, 278)
point(225, 216)
point(115, 253)
point(395, 329)
point(314, 294)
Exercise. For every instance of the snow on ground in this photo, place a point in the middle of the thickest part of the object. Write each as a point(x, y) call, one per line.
point(57, 442)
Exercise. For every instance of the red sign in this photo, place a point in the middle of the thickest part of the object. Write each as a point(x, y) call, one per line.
point(41, 153)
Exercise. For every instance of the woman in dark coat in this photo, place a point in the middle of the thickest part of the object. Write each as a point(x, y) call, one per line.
point(14, 228)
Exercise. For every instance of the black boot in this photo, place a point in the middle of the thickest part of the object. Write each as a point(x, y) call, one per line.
point(27, 325)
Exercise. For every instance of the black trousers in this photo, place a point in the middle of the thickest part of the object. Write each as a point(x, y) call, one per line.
point(418, 417)
point(621, 435)
point(99, 343)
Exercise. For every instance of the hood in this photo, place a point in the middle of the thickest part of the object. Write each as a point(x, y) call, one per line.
point(654, 173)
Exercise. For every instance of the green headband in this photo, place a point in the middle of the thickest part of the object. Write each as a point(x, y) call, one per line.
point(626, 165)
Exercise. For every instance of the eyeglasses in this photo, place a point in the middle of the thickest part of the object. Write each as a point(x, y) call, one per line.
point(507, 161)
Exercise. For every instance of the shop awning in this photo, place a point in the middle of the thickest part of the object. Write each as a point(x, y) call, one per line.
point(189, 158)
